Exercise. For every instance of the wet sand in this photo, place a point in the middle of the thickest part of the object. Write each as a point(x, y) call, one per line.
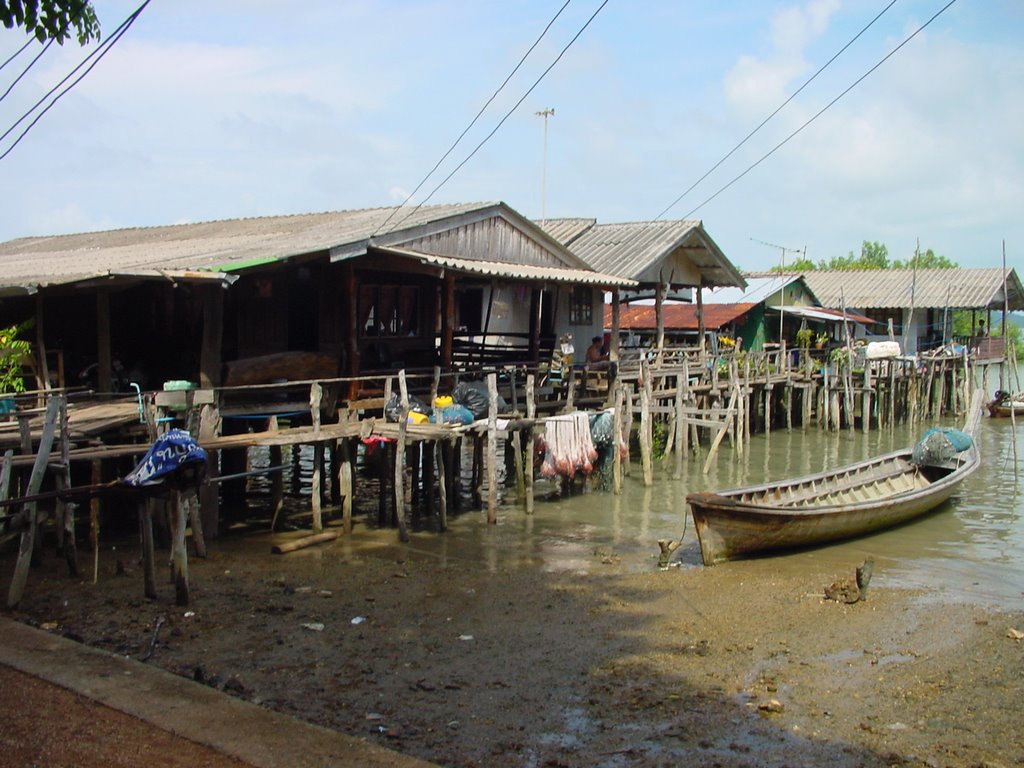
point(464, 665)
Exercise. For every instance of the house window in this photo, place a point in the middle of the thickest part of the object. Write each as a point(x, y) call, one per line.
point(882, 316)
point(581, 305)
point(389, 310)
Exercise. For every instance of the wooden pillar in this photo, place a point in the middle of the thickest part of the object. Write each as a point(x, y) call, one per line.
point(492, 449)
point(448, 320)
point(315, 398)
point(43, 373)
point(531, 414)
point(440, 448)
point(179, 554)
point(646, 427)
point(146, 508)
point(350, 326)
point(659, 312)
point(213, 333)
point(104, 356)
point(345, 487)
point(701, 329)
point(535, 309)
point(209, 493)
point(617, 436)
point(403, 425)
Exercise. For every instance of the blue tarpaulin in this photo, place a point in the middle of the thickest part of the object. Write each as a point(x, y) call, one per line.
point(172, 451)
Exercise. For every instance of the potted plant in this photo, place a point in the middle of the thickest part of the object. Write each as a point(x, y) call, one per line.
point(804, 337)
point(821, 340)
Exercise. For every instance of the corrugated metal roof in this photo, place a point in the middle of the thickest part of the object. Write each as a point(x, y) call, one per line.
point(825, 315)
point(629, 249)
point(566, 231)
point(959, 288)
point(219, 246)
point(678, 317)
point(758, 289)
point(513, 271)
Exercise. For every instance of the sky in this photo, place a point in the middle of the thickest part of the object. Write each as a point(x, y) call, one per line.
point(216, 110)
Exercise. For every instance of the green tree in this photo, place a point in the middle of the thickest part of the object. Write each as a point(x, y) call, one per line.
point(13, 354)
point(52, 19)
point(873, 255)
point(927, 260)
point(798, 265)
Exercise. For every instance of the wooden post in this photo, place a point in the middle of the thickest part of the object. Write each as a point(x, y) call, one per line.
point(213, 333)
point(104, 357)
point(276, 478)
point(195, 520)
point(442, 485)
point(146, 509)
point(646, 428)
point(65, 521)
point(403, 425)
point(517, 454)
point(448, 320)
point(617, 430)
point(209, 493)
point(680, 425)
point(659, 316)
point(531, 414)
point(179, 555)
point(28, 536)
point(345, 484)
point(492, 449)
point(316, 496)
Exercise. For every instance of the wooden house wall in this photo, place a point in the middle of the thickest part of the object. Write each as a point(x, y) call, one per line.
point(676, 268)
point(493, 239)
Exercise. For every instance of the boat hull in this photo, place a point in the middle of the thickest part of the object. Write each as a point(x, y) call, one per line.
point(728, 529)
point(850, 501)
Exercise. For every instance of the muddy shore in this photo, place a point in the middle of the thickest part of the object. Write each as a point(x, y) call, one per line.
point(465, 665)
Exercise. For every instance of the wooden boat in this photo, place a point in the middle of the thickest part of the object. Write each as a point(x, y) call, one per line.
point(1004, 405)
point(842, 503)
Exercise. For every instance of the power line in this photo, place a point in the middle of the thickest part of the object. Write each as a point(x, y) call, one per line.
point(99, 53)
point(17, 53)
point(778, 109)
point(857, 82)
point(478, 114)
point(503, 119)
point(26, 69)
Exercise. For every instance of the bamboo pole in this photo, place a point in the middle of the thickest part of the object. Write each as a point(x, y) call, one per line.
point(442, 485)
point(305, 541)
point(617, 431)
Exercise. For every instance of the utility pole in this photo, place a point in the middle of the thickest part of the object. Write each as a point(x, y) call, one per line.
point(782, 269)
point(545, 113)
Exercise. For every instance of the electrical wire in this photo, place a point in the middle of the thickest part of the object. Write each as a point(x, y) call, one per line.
point(853, 85)
point(503, 119)
point(474, 120)
point(778, 109)
point(99, 53)
point(17, 53)
point(26, 69)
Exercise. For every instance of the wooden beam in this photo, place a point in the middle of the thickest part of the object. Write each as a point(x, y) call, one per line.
point(104, 357)
point(213, 334)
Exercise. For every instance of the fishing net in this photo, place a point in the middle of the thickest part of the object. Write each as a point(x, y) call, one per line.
point(939, 445)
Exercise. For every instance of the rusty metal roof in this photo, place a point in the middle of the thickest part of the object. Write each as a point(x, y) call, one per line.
point(632, 248)
point(678, 317)
point(957, 288)
point(29, 263)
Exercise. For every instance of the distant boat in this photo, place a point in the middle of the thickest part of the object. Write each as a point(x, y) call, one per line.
point(839, 504)
point(1005, 404)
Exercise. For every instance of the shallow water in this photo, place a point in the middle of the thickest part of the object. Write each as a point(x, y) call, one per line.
point(970, 549)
